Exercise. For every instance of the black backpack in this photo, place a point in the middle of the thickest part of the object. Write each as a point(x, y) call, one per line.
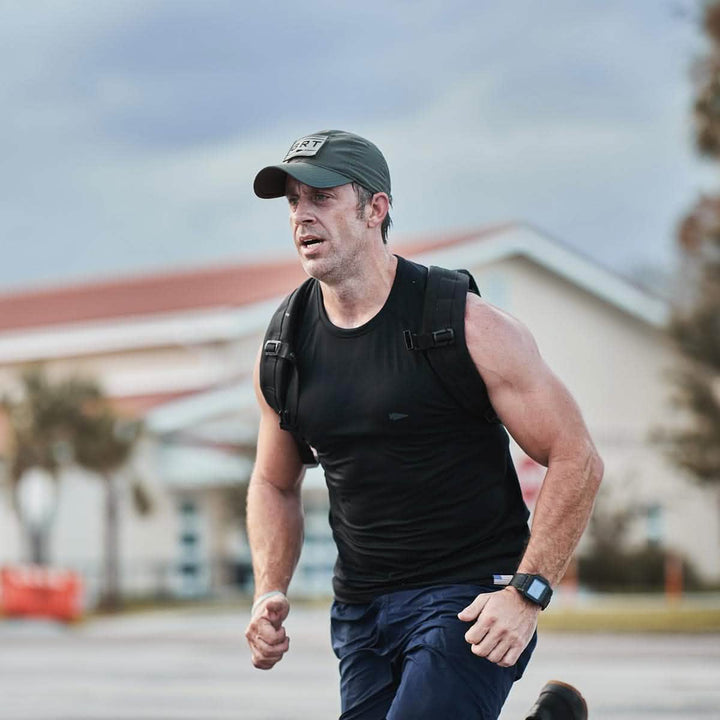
point(441, 338)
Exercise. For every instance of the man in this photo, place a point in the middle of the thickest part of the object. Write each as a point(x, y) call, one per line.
point(425, 506)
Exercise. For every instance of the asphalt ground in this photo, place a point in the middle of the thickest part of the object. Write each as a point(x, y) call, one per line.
point(194, 665)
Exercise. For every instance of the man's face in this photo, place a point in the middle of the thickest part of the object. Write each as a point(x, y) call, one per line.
point(327, 232)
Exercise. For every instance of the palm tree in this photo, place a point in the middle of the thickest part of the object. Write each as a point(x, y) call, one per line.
point(41, 437)
point(103, 444)
point(70, 421)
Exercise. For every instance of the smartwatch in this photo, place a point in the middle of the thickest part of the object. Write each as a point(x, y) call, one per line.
point(534, 587)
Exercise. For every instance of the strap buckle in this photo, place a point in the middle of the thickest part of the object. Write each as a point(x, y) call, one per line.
point(272, 347)
point(446, 336)
point(427, 341)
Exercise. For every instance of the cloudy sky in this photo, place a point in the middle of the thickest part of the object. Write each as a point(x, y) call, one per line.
point(131, 130)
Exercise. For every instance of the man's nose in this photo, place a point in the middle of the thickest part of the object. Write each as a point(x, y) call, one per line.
point(303, 212)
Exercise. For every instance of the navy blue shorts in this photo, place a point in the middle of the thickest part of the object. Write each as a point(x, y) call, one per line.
point(404, 656)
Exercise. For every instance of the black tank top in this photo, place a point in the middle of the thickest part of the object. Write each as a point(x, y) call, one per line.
point(421, 492)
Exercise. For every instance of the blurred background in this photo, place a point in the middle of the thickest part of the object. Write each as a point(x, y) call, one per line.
point(564, 152)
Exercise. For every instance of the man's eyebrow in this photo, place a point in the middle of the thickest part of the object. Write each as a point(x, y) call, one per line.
point(311, 190)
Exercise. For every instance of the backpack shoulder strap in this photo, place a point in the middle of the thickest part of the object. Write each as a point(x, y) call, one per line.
point(442, 339)
point(278, 366)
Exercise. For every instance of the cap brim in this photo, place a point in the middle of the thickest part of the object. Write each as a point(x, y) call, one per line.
point(270, 181)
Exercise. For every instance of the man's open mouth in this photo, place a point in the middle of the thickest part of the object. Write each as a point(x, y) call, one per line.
point(310, 241)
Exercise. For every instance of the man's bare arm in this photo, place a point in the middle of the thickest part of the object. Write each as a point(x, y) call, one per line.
point(545, 421)
point(275, 532)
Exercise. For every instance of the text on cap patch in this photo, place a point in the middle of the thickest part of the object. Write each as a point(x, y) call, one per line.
point(305, 147)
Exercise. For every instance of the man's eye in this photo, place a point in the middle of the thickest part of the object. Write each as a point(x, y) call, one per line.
point(319, 197)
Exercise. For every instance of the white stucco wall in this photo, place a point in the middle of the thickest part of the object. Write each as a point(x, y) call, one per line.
point(616, 366)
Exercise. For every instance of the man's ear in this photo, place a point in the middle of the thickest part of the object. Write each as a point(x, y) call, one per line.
point(379, 208)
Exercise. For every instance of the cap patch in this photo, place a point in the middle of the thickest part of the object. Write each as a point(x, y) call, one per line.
point(305, 147)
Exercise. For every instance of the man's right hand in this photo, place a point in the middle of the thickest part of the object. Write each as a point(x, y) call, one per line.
point(265, 634)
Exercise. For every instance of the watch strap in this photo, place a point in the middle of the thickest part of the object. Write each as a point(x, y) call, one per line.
point(535, 588)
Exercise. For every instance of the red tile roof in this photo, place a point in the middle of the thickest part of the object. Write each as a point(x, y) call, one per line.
point(225, 286)
point(422, 244)
point(230, 286)
point(135, 405)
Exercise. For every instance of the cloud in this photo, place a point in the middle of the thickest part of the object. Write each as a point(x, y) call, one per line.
point(133, 130)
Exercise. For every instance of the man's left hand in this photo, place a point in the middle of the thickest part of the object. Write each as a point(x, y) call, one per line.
point(504, 625)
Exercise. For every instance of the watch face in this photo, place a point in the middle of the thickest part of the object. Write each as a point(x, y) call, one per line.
point(536, 589)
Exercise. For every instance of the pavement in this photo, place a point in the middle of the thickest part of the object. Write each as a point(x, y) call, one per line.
point(193, 664)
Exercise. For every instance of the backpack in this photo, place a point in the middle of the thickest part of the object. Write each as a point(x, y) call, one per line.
point(441, 338)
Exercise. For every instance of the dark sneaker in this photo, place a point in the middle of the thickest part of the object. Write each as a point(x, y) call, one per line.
point(559, 701)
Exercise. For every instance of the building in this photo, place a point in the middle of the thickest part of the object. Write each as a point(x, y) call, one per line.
point(178, 349)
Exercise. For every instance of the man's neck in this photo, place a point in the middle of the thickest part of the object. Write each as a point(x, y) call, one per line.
point(357, 299)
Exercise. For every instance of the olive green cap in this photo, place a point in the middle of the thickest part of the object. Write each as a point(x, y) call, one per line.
point(327, 159)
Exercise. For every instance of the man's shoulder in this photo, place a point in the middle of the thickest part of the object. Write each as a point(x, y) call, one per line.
point(418, 270)
point(410, 269)
point(496, 340)
point(485, 317)
point(287, 316)
point(417, 273)
point(480, 312)
point(295, 298)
